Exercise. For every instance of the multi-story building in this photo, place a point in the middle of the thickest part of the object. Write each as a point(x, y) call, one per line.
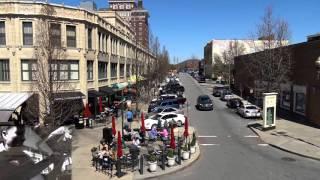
point(301, 94)
point(215, 48)
point(99, 48)
point(134, 13)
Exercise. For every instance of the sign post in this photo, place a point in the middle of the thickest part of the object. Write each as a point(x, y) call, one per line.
point(269, 110)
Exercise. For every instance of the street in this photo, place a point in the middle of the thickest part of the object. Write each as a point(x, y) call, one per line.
point(229, 150)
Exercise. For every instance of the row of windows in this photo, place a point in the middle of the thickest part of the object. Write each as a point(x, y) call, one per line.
point(60, 70)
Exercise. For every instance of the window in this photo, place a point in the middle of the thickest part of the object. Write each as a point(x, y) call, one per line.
point(65, 70)
point(27, 33)
point(113, 70)
point(89, 38)
point(71, 36)
point(128, 69)
point(2, 33)
point(102, 69)
point(121, 69)
point(56, 35)
point(286, 98)
point(300, 102)
point(89, 70)
point(99, 40)
point(28, 70)
point(4, 70)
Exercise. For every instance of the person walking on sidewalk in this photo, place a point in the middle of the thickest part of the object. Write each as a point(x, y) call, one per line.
point(129, 117)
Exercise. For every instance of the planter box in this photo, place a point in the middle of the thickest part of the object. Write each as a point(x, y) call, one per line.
point(152, 166)
point(171, 161)
point(193, 149)
point(185, 155)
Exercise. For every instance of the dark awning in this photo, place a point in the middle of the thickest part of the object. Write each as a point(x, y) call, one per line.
point(107, 90)
point(94, 93)
point(68, 96)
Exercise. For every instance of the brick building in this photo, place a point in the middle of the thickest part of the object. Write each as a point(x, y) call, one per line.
point(302, 94)
point(134, 13)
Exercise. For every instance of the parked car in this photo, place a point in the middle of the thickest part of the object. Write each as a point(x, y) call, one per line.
point(249, 110)
point(201, 79)
point(165, 103)
point(217, 90)
point(233, 103)
point(225, 95)
point(153, 121)
point(204, 103)
point(167, 110)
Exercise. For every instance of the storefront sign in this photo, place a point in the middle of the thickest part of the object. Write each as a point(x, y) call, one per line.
point(269, 109)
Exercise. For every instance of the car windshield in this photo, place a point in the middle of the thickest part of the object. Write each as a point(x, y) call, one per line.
point(205, 100)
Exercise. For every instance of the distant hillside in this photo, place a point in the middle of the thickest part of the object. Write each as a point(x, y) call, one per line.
point(189, 64)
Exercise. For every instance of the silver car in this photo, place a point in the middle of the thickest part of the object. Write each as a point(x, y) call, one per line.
point(249, 110)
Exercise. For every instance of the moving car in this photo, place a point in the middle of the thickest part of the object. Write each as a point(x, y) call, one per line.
point(249, 110)
point(233, 103)
point(201, 79)
point(204, 103)
point(153, 121)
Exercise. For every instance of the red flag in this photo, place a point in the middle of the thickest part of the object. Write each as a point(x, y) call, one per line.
point(86, 112)
point(119, 147)
point(186, 127)
point(172, 140)
point(114, 131)
point(143, 128)
point(100, 104)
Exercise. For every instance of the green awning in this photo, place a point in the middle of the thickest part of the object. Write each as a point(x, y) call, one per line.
point(120, 86)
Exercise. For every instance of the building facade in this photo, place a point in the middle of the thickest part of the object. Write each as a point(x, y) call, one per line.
point(301, 95)
point(134, 13)
point(215, 49)
point(100, 47)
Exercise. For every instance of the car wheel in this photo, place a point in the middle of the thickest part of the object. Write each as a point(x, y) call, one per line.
point(179, 123)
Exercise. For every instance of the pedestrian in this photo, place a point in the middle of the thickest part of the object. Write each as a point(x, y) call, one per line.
point(129, 117)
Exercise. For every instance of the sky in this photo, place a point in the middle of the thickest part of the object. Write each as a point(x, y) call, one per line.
point(185, 26)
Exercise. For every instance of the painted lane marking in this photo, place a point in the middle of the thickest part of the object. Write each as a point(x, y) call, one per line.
point(206, 136)
point(263, 144)
point(251, 136)
point(209, 144)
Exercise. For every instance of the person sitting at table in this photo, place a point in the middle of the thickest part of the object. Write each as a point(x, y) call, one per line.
point(136, 141)
point(153, 134)
point(127, 133)
point(164, 134)
point(102, 144)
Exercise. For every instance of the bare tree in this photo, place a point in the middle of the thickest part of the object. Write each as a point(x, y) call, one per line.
point(47, 82)
point(271, 65)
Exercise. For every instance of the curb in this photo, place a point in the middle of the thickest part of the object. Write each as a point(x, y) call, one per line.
point(284, 149)
point(174, 171)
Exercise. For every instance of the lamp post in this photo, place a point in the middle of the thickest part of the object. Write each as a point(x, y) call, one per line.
point(317, 63)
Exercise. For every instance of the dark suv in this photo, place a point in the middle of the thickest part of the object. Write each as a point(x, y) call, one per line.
point(165, 103)
point(204, 103)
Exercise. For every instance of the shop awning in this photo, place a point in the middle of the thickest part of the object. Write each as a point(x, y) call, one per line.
point(120, 86)
point(94, 93)
point(9, 102)
point(106, 90)
point(69, 96)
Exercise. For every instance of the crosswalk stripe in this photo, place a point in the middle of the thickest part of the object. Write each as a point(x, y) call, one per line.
point(209, 144)
point(253, 136)
point(263, 144)
point(207, 136)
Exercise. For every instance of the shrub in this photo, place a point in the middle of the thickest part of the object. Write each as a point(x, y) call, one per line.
point(170, 153)
point(152, 158)
point(194, 139)
point(185, 147)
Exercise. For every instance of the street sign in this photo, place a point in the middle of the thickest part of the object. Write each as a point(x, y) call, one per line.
point(269, 110)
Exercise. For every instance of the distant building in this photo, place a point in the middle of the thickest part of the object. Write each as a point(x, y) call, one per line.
point(215, 48)
point(88, 5)
point(134, 12)
point(301, 94)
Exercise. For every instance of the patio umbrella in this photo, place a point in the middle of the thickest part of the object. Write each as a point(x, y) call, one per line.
point(100, 104)
point(86, 112)
point(172, 141)
point(119, 147)
point(186, 128)
point(143, 128)
point(114, 131)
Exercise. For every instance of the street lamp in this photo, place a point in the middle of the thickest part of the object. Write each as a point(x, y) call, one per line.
point(317, 63)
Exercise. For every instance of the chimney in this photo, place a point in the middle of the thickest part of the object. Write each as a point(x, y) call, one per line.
point(313, 37)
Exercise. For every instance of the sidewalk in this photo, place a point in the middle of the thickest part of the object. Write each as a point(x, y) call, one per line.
point(292, 137)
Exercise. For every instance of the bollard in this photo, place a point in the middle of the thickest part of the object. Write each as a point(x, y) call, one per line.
point(141, 165)
point(163, 158)
point(179, 151)
point(118, 167)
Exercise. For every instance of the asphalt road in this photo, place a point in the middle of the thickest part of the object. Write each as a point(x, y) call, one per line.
point(231, 151)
